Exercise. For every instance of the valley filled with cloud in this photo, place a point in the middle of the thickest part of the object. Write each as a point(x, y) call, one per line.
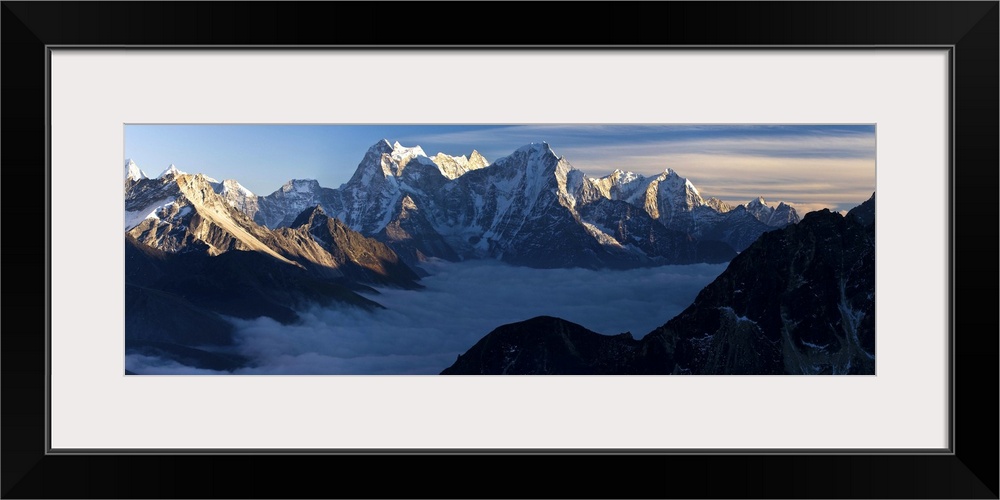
point(423, 331)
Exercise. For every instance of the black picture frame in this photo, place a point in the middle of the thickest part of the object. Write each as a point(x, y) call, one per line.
point(969, 471)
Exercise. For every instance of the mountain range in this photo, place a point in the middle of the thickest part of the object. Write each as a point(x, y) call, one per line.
point(460, 208)
point(795, 298)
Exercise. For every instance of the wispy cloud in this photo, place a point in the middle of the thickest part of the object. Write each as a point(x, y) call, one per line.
point(796, 147)
point(808, 166)
point(816, 182)
point(609, 140)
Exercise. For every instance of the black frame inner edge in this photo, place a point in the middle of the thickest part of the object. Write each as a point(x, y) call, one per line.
point(949, 450)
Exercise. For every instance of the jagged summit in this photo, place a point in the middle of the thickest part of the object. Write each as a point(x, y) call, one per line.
point(211, 180)
point(674, 179)
point(718, 205)
point(776, 216)
point(233, 185)
point(300, 185)
point(133, 172)
point(619, 176)
point(309, 216)
point(536, 157)
point(865, 212)
point(477, 160)
point(537, 146)
point(454, 167)
point(170, 171)
point(403, 155)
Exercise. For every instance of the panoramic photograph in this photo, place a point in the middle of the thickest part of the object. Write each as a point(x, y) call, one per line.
point(557, 249)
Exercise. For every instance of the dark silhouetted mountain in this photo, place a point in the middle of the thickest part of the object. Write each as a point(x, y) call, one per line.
point(799, 300)
point(546, 345)
point(155, 315)
point(865, 212)
point(185, 355)
point(180, 299)
point(241, 284)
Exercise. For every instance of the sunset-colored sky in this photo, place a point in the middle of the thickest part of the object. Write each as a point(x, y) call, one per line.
point(809, 166)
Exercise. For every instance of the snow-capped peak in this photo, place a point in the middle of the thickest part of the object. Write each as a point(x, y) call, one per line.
point(453, 167)
point(400, 151)
point(536, 147)
point(233, 186)
point(300, 186)
point(674, 178)
point(380, 147)
point(211, 180)
point(403, 155)
point(779, 216)
point(690, 186)
point(623, 177)
point(170, 171)
point(460, 160)
point(132, 171)
point(477, 160)
point(718, 205)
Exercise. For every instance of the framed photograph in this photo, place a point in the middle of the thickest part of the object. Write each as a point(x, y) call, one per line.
point(456, 264)
point(393, 253)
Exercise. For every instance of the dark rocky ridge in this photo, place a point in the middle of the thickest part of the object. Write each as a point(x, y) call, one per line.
point(799, 300)
point(865, 212)
point(179, 299)
point(356, 257)
point(547, 345)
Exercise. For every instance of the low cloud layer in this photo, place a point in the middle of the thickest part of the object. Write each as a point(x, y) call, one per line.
point(423, 331)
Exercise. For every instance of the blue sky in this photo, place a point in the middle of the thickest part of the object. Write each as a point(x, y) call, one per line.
point(810, 166)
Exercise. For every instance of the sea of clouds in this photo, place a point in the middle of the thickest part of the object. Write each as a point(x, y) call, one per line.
point(423, 331)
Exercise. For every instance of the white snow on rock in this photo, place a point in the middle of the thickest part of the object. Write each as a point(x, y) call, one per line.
point(132, 171)
point(170, 171)
point(134, 218)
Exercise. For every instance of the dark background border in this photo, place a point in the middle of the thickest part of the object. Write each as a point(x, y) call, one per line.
point(972, 472)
